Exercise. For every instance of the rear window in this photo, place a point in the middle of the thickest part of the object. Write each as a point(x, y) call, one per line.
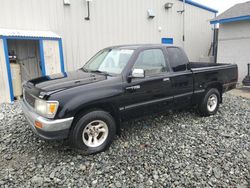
point(177, 59)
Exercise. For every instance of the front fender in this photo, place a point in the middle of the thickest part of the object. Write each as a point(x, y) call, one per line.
point(73, 104)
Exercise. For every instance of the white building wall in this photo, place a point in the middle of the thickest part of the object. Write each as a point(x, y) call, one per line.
point(234, 45)
point(198, 32)
point(111, 22)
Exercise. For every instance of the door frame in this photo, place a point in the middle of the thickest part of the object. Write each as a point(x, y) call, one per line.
point(41, 52)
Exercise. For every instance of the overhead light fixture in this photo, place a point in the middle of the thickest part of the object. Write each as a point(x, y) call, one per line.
point(66, 2)
point(151, 14)
point(168, 5)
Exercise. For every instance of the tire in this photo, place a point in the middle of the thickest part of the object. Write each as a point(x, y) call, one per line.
point(93, 132)
point(210, 103)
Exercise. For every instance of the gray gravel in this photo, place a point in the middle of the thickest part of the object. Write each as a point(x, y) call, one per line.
point(177, 149)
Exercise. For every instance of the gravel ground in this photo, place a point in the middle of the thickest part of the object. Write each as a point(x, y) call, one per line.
point(176, 149)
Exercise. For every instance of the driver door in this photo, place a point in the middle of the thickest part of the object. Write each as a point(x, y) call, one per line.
point(151, 94)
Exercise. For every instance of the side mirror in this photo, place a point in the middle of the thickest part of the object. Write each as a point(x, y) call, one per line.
point(138, 73)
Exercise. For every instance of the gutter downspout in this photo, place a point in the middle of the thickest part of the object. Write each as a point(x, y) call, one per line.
point(215, 43)
point(183, 27)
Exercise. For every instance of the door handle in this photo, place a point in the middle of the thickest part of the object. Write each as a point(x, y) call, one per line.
point(166, 79)
point(133, 87)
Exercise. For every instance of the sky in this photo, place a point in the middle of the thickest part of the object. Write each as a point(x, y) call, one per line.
point(220, 5)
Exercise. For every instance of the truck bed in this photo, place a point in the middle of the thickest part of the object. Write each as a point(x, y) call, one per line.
point(204, 73)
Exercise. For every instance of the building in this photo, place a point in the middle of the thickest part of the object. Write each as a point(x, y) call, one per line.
point(46, 36)
point(234, 37)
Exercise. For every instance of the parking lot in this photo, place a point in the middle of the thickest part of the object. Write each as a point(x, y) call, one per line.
point(176, 149)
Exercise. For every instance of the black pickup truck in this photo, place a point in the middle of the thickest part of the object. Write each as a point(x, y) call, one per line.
point(120, 83)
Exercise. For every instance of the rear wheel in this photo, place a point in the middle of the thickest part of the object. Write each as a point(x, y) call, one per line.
point(93, 132)
point(210, 103)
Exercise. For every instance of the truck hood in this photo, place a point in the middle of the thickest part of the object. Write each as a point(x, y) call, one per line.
point(65, 80)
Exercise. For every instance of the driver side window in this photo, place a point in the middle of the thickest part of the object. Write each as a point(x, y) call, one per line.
point(151, 61)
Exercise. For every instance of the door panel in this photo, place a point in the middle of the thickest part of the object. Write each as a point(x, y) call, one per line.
point(146, 96)
point(181, 78)
point(143, 96)
point(182, 86)
point(52, 57)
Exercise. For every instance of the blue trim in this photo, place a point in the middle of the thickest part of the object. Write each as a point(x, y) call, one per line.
point(65, 74)
point(42, 57)
point(5, 46)
point(190, 2)
point(233, 19)
point(167, 40)
point(61, 55)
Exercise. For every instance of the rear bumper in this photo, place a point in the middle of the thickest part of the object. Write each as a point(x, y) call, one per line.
point(52, 129)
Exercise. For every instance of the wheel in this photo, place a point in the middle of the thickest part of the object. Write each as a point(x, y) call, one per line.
point(210, 103)
point(93, 132)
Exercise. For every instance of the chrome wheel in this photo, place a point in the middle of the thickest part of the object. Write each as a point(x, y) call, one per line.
point(212, 102)
point(95, 133)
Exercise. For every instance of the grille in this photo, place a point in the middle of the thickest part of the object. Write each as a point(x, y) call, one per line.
point(29, 99)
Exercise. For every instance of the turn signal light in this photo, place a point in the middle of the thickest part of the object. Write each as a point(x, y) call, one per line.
point(52, 108)
point(38, 125)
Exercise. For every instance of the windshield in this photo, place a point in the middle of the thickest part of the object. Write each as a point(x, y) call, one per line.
point(110, 61)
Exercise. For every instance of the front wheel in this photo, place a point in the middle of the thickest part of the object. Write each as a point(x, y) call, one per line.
point(93, 132)
point(210, 103)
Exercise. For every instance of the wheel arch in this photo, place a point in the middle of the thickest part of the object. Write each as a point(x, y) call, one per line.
point(216, 85)
point(107, 107)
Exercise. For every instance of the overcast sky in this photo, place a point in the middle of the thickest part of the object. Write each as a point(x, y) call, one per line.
point(220, 5)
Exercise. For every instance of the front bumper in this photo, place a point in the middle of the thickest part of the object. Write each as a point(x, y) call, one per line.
point(51, 129)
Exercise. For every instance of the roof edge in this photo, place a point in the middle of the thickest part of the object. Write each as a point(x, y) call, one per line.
point(190, 2)
point(28, 34)
point(232, 19)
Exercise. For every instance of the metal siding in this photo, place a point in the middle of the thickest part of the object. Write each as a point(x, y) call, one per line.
point(199, 34)
point(233, 45)
point(111, 22)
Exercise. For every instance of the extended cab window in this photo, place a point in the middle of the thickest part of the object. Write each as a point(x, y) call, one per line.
point(177, 59)
point(151, 61)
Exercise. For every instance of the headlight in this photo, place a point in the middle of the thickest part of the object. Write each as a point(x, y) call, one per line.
point(46, 108)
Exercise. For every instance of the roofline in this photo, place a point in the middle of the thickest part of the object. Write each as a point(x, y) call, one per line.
point(28, 34)
point(28, 38)
point(190, 2)
point(232, 19)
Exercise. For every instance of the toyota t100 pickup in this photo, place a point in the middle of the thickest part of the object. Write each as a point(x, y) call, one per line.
point(120, 83)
